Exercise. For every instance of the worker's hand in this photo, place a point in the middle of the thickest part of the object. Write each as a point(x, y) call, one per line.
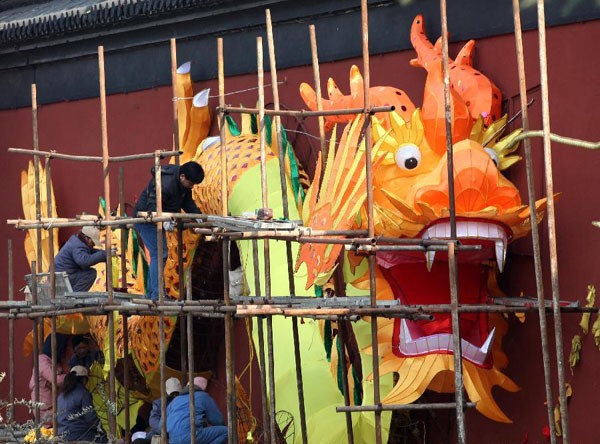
point(114, 252)
point(169, 225)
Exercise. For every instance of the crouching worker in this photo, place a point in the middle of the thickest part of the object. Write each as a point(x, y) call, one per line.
point(77, 419)
point(173, 389)
point(78, 256)
point(210, 425)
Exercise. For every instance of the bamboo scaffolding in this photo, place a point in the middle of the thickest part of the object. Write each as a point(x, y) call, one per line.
point(360, 241)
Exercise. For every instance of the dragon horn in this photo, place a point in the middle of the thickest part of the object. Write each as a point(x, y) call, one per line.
point(356, 82)
point(309, 96)
point(183, 90)
point(465, 56)
point(333, 90)
point(433, 111)
point(426, 52)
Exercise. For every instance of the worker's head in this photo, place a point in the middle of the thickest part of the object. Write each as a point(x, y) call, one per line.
point(81, 346)
point(173, 387)
point(201, 382)
point(190, 174)
point(92, 233)
point(80, 371)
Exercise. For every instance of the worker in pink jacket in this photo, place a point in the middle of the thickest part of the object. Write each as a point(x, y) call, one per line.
point(45, 376)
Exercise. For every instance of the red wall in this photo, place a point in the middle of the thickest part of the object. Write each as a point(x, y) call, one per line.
point(141, 122)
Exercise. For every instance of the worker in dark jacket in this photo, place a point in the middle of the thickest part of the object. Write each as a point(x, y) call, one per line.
point(78, 256)
point(177, 183)
point(77, 419)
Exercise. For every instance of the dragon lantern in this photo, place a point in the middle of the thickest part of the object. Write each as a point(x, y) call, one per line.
point(411, 200)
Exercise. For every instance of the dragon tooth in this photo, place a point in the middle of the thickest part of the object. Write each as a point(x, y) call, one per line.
point(429, 256)
point(500, 253)
point(405, 335)
point(487, 345)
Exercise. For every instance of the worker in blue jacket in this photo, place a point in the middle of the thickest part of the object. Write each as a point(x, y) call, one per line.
point(78, 256)
point(210, 424)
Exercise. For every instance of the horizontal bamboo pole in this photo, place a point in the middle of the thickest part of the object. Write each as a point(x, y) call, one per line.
point(246, 310)
point(55, 155)
point(392, 407)
point(559, 139)
point(304, 113)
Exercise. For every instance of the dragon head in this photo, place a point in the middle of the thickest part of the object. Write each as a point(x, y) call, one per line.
point(411, 199)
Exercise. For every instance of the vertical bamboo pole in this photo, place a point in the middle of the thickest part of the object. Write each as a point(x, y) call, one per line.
point(11, 338)
point(261, 347)
point(179, 231)
point(124, 233)
point(52, 278)
point(126, 375)
point(371, 226)
point(161, 296)
point(286, 214)
point(36, 348)
point(36, 165)
point(562, 388)
point(123, 228)
point(190, 349)
point(38, 262)
point(105, 173)
point(229, 333)
point(265, 202)
point(230, 355)
point(452, 256)
point(346, 389)
point(535, 236)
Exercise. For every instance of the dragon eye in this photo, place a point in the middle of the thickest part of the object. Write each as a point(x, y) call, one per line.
point(408, 156)
point(493, 155)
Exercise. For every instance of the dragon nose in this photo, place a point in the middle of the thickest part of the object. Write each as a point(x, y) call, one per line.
point(478, 184)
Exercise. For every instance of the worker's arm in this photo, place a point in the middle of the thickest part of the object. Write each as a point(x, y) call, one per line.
point(84, 259)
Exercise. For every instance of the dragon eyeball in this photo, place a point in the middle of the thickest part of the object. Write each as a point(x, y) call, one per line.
point(493, 155)
point(408, 156)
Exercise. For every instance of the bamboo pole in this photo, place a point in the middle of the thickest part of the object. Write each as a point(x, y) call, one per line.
point(232, 431)
point(265, 203)
point(190, 350)
point(179, 231)
point(535, 236)
point(161, 297)
point(11, 338)
point(345, 388)
point(551, 220)
point(303, 114)
point(229, 327)
point(370, 216)
point(286, 215)
point(261, 348)
point(36, 349)
point(112, 425)
point(126, 375)
point(452, 256)
point(55, 155)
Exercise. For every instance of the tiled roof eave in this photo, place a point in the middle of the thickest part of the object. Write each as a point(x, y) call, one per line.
point(96, 16)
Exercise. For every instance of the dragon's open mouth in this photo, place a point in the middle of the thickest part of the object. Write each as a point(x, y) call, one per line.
point(417, 280)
